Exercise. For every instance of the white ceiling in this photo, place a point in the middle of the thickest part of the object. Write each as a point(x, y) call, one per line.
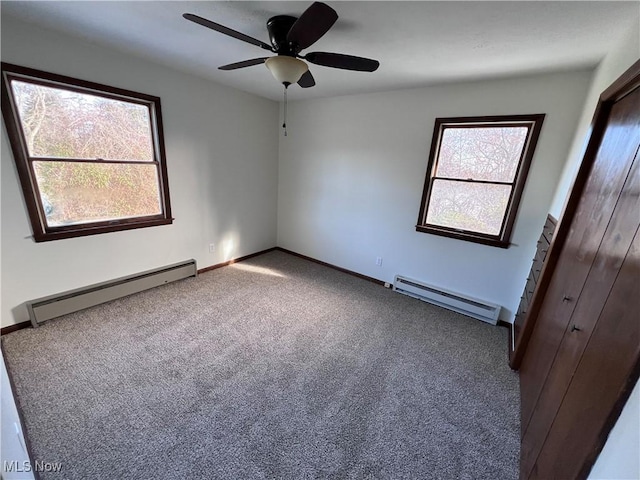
point(417, 43)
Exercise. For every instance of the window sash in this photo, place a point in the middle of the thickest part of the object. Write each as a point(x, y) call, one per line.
point(465, 231)
point(79, 86)
point(533, 124)
point(24, 161)
point(470, 180)
point(125, 97)
point(93, 160)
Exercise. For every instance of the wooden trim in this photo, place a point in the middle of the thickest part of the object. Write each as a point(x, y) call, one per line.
point(15, 327)
point(46, 79)
point(622, 86)
point(19, 326)
point(18, 149)
point(510, 340)
point(155, 114)
point(506, 120)
point(83, 232)
point(471, 180)
point(235, 260)
point(335, 267)
point(533, 123)
point(462, 235)
point(100, 161)
point(24, 162)
point(433, 152)
point(522, 173)
point(284, 250)
point(509, 326)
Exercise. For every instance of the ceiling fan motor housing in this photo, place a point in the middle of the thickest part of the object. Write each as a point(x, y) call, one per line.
point(278, 28)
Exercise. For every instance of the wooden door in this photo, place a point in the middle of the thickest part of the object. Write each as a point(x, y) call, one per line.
point(608, 368)
point(581, 359)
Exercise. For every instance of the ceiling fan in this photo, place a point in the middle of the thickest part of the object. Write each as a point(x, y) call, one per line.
point(289, 36)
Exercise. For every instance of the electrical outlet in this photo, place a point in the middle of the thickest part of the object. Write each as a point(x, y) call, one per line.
point(387, 285)
point(212, 247)
point(379, 261)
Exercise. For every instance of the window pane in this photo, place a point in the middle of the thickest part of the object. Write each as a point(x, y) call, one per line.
point(477, 207)
point(65, 124)
point(483, 153)
point(81, 192)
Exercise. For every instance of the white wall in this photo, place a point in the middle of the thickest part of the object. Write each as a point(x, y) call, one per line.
point(620, 457)
point(612, 66)
point(222, 164)
point(12, 444)
point(351, 175)
point(352, 171)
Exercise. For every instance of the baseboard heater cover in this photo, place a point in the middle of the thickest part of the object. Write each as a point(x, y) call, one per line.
point(53, 306)
point(472, 307)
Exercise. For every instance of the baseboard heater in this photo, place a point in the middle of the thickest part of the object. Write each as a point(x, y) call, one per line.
point(472, 307)
point(46, 308)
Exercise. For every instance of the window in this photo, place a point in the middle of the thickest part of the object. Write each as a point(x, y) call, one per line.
point(476, 173)
point(90, 158)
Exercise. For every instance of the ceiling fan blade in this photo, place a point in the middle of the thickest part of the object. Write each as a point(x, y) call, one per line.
point(314, 22)
point(345, 62)
point(246, 63)
point(307, 80)
point(226, 30)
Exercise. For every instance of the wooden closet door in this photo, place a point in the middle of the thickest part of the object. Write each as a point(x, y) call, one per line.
point(595, 262)
point(608, 362)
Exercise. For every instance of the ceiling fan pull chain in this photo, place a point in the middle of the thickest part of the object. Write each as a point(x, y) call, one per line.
point(284, 125)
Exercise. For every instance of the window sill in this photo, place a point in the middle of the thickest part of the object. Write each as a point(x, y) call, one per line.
point(469, 237)
point(84, 230)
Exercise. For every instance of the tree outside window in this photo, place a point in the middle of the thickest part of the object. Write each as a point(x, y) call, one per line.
point(476, 173)
point(90, 157)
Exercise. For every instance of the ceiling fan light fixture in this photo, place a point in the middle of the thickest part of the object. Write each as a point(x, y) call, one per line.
point(286, 70)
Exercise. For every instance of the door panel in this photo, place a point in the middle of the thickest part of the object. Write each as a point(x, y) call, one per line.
point(610, 359)
point(600, 195)
point(600, 281)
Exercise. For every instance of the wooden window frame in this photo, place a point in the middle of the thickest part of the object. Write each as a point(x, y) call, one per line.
point(24, 161)
point(503, 239)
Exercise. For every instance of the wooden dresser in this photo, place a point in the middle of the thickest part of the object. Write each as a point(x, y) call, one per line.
point(532, 280)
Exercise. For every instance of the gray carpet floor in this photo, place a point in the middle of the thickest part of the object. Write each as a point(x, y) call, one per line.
point(275, 367)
